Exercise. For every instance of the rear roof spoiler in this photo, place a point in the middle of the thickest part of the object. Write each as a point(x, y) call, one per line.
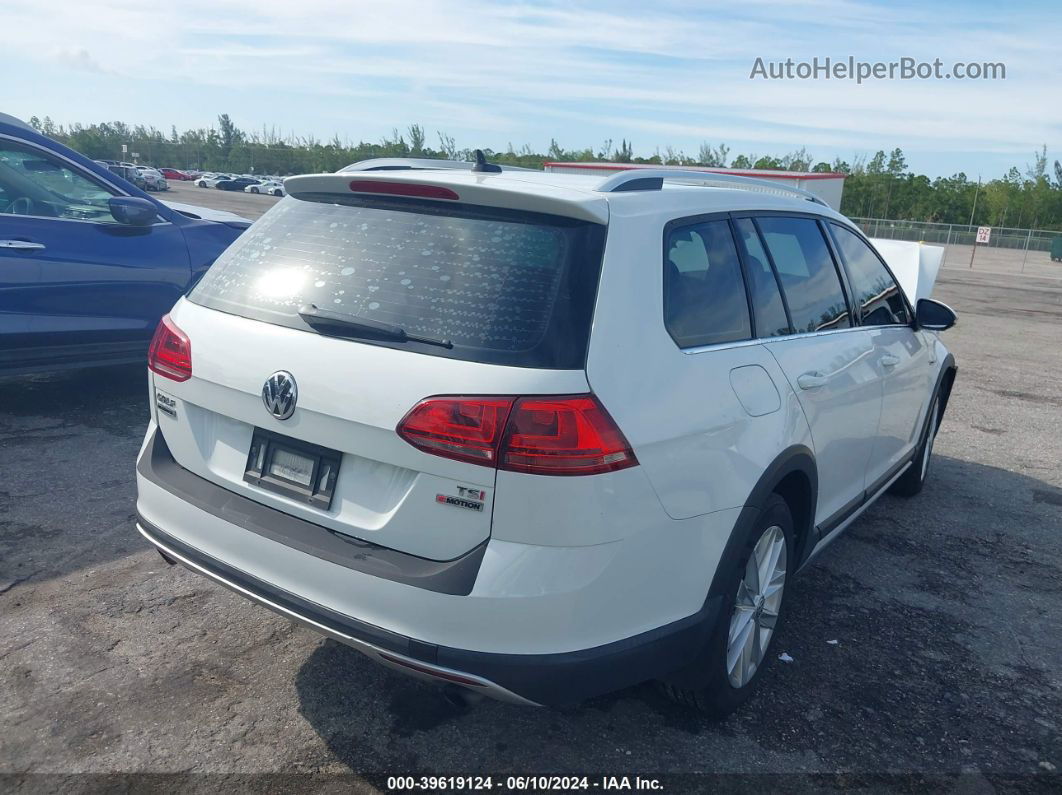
point(488, 190)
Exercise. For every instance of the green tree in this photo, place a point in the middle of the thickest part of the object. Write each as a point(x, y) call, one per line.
point(416, 139)
point(768, 162)
point(881, 186)
point(711, 156)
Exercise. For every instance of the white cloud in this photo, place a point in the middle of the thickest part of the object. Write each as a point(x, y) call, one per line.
point(79, 59)
point(673, 72)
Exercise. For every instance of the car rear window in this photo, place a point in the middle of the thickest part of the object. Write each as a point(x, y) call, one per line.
point(504, 286)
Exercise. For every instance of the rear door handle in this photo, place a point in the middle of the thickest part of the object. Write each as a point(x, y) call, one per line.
point(26, 245)
point(812, 380)
point(889, 361)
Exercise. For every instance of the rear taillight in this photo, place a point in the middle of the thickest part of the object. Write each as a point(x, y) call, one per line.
point(567, 435)
point(467, 429)
point(563, 436)
point(170, 353)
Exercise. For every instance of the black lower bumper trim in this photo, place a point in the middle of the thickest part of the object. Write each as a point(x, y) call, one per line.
point(548, 679)
point(337, 622)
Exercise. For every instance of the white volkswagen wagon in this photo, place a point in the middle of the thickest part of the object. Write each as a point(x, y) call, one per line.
point(541, 436)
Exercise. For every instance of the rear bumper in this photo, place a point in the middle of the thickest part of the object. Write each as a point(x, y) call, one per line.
point(529, 679)
point(501, 638)
point(392, 650)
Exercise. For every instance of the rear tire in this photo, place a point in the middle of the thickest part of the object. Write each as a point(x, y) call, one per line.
point(741, 645)
point(912, 481)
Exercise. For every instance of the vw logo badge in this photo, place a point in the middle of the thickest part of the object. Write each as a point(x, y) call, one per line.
point(279, 394)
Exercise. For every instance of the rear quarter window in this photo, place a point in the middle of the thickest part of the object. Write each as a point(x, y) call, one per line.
point(704, 291)
point(505, 287)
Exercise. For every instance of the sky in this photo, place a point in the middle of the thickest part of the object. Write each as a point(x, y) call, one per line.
point(493, 73)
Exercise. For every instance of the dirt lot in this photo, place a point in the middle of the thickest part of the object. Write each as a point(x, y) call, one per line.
point(946, 609)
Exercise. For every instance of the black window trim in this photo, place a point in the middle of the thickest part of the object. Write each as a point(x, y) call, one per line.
point(840, 258)
point(694, 220)
point(774, 272)
point(842, 274)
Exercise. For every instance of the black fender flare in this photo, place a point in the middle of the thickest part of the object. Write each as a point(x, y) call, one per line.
point(948, 371)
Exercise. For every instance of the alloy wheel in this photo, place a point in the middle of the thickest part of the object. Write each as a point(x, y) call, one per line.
point(756, 607)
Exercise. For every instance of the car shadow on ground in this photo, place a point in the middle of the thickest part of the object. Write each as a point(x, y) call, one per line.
point(112, 398)
point(917, 639)
point(67, 489)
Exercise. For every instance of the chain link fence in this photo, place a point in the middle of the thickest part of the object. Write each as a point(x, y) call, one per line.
point(1034, 251)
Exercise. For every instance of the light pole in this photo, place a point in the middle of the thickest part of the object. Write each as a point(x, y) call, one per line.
point(976, 191)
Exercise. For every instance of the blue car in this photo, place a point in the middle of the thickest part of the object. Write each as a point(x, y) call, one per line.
point(88, 261)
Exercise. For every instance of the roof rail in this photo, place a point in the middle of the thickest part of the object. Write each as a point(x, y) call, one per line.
point(638, 179)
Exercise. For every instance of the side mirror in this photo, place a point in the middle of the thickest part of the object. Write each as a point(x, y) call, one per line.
point(934, 315)
point(132, 210)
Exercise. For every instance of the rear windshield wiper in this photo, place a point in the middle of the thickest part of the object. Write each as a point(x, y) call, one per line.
point(350, 326)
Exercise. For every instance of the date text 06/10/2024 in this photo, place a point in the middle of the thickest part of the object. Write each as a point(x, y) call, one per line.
point(523, 783)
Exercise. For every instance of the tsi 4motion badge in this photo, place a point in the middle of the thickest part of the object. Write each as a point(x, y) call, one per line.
point(472, 499)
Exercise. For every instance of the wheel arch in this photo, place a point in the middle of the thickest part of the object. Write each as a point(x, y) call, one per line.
point(792, 475)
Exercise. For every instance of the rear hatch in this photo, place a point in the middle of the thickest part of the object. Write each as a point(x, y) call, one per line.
point(371, 303)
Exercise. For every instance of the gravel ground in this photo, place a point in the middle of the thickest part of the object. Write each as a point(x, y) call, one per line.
point(946, 609)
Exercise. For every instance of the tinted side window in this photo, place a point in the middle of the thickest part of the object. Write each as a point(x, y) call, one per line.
point(875, 293)
point(767, 305)
point(704, 292)
point(808, 275)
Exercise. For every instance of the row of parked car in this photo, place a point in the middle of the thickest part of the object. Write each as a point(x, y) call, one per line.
point(144, 177)
point(271, 186)
point(149, 178)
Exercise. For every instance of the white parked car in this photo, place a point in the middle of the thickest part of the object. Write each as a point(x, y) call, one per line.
point(270, 187)
point(153, 178)
point(210, 180)
point(541, 436)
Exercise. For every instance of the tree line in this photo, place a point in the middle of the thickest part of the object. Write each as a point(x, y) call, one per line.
point(880, 186)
